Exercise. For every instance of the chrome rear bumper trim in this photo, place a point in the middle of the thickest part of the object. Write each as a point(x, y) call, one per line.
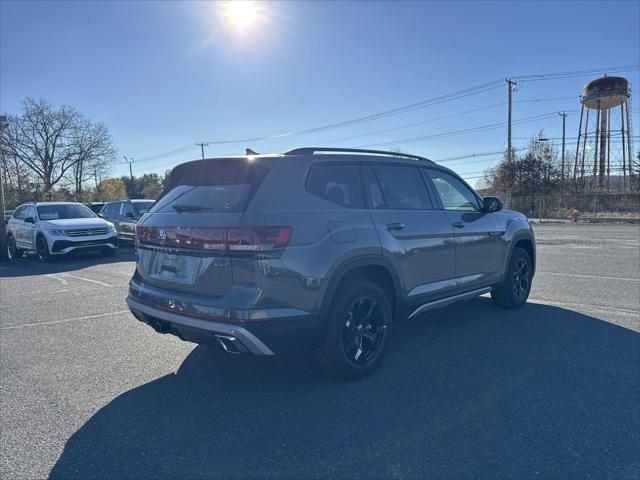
point(248, 339)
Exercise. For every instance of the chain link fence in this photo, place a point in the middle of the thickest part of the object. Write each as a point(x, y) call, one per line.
point(595, 207)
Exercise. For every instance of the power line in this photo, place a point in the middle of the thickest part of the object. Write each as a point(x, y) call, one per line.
point(409, 125)
point(481, 88)
point(186, 148)
point(377, 132)
point(356, 121)
point(480, 128)
point(577, 73)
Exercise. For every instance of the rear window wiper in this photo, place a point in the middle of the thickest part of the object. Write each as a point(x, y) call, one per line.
point(192, 208)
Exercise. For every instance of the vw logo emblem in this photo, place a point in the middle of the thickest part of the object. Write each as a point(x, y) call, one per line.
point(162, 236)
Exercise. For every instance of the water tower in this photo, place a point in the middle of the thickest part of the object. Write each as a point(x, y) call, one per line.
point(604, 133)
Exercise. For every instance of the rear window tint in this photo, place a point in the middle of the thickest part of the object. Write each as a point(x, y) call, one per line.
point(337, 183)
point(212, 186)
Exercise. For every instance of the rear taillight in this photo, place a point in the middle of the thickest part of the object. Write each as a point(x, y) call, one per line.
point(233, 239)
point(258, 238)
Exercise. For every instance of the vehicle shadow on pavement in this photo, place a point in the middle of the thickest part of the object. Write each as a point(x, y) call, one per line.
point(30, 265)
point(468, 391)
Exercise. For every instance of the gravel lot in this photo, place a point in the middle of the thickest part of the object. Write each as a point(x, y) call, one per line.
point(551, 390)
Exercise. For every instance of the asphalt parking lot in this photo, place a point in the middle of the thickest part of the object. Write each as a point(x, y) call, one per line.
point(548, 391)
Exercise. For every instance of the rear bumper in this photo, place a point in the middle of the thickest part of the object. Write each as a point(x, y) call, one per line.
point(198, 330)
point(270, 335)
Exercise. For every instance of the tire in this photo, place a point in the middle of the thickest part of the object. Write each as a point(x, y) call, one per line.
point(42, 249)
point(108, 252)
point(12, 249)
point(357, 332)
point(514, 290)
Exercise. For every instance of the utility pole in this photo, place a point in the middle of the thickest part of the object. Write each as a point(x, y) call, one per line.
point(4, 123)
point(95, 175)
point(564, 121)
point(510, 84)
point(130, 162)
point(202, 145)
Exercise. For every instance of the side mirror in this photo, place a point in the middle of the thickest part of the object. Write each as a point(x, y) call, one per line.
point(29, 220)
point(491, 204)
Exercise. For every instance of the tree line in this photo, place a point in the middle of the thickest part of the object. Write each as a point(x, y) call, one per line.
point(537, 170)
point(56, 153)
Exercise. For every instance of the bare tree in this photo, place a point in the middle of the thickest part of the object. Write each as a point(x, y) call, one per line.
point(94, 154)
point(534, 172)
point(51, 141)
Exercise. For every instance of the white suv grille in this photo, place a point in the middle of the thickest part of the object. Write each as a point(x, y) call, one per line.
point(85, 232)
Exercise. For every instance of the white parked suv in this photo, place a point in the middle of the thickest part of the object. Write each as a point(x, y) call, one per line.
point(56, 228)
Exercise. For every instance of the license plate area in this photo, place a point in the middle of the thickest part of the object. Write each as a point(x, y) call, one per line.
point(170, 267)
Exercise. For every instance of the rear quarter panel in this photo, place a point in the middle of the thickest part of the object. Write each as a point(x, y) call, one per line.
point(324, 236)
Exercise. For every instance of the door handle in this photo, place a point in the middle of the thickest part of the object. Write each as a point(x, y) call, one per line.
point(396, 226)
point(459, 224)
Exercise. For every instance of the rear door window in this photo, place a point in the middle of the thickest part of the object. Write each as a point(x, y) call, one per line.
point(337, 183)
point(221, 185)
point(112, 209)
point(127, 208)
point(397, 187)
point(31, 212)
point(143, 207)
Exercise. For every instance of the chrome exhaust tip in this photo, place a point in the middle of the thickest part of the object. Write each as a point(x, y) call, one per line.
point(229, 344)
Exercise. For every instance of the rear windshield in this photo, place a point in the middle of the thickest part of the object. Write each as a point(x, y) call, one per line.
point(56, 212)
point(223, 185)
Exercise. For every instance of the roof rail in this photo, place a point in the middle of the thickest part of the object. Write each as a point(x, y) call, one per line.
point(312, 150)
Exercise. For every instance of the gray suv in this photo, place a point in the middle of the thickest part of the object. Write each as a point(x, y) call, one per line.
point(320, 249)
point(124, 214)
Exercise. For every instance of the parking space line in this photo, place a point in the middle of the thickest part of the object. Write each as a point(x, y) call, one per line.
point(65, 320)
point(60, 279)
point(590, 276)
point(97, 282)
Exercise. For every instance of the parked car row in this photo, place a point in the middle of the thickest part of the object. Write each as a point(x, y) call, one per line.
point(52, 229)
point(321, 249)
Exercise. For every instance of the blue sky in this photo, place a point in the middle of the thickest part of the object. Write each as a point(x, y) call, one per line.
point(163, 75)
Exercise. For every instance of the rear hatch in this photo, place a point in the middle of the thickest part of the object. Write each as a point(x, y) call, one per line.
point(183, 243)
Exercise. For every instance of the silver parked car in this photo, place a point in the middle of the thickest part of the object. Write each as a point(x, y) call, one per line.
point(321, 249)
point(124, 214)
point(56, 228)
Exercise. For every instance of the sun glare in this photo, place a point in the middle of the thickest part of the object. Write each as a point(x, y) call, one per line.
point(240, 14)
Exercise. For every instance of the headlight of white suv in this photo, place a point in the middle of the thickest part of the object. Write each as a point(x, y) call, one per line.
point(54, 231)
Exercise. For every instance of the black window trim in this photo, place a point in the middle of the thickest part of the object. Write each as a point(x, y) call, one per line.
point(359, 167)
point(434, 205)
point(428, 171)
